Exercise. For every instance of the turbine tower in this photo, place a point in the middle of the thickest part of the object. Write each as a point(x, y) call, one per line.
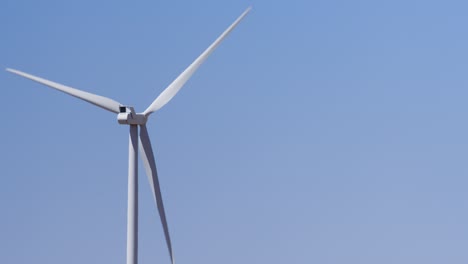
point(126, 115)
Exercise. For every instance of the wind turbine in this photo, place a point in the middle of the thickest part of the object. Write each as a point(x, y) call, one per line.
point(126, 115)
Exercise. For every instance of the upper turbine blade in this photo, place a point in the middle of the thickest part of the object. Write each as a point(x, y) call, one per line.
point(175, 86)
point(97, 100)
point(150, 166)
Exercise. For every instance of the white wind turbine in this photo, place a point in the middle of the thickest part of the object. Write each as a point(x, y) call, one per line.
point(126, 115)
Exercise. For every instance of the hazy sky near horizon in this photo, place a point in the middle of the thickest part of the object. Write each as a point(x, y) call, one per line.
point(318, 132)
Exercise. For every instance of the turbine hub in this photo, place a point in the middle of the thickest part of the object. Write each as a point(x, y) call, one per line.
point(127, 116)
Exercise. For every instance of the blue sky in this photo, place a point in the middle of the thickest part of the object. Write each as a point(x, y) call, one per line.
point(318, 132)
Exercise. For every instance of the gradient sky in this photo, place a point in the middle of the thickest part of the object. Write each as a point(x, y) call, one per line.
point(319, 132)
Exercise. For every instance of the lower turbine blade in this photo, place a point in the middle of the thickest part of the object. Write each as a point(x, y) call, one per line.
point(150, 166)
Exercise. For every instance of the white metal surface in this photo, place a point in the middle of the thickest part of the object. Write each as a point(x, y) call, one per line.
point(97, 100)
point(132, 199)
point(131, 119)
point(150, 165)
point(175, 86)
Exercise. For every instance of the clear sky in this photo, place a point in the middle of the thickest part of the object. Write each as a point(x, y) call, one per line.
point(319, 132)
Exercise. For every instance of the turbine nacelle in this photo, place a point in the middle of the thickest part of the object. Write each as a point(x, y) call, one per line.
point(127, 116)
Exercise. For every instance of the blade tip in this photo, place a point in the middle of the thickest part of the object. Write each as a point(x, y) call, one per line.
point(247, 10)
point(12, 70)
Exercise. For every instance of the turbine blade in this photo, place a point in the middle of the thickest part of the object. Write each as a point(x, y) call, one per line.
point(97, 100)
point(175, 86)
point(150, 166)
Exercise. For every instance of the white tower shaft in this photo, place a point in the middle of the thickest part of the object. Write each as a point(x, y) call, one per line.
point(132, 205)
